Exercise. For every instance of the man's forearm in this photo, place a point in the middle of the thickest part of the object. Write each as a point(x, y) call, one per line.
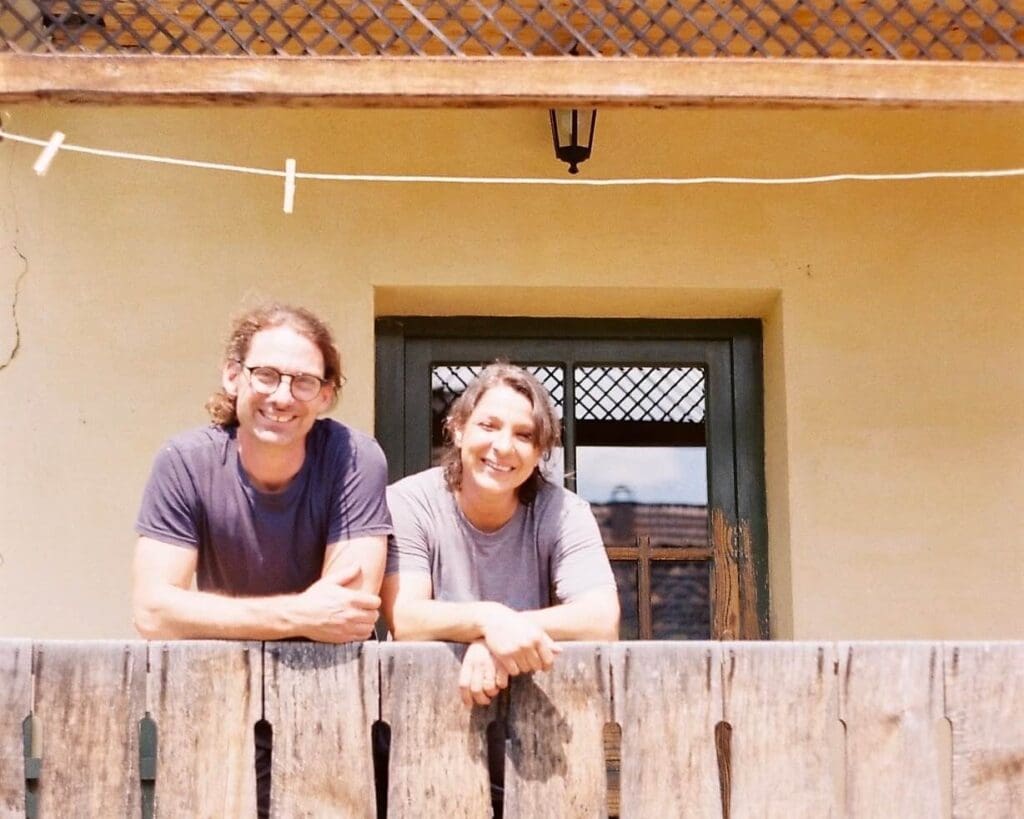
point(172, 613)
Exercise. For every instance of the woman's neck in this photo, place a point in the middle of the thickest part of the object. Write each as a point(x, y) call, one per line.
point(487, 513)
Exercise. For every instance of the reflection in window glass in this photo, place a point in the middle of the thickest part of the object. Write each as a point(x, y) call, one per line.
point(625, 578)
point(662, 493)
point(650, 474)
point(681, 599)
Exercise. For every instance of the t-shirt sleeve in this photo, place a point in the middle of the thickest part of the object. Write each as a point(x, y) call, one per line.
point(579, 562)
point(359, 508)
point(170, 507)
point(408, 547)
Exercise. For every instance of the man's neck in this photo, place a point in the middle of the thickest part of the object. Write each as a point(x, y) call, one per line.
point(269, 468)
point(488, 514)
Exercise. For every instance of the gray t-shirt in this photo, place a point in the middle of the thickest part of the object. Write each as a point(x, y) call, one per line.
point(260, 543)
point(549, 552)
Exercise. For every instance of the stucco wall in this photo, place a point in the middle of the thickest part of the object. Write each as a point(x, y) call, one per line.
point(893, 315)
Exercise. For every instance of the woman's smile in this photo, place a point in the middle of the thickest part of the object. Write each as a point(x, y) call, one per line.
point(497, 443)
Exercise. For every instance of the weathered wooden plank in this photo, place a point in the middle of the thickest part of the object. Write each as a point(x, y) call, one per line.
point(322, 702)
point(726, 577)
point(89, 698)
point(205, 698)
point(438, 764)
point(15, 704)
point(780, 699)
point(555, 758)
point(471, 82)
point(668, 700)
point(985, 704)
point(890, 697)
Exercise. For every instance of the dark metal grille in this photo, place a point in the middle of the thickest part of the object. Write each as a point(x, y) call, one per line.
point(880, 29)
point(640, 394)
point(448, 382)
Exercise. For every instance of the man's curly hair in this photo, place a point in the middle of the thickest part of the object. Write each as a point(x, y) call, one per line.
point(220, 405)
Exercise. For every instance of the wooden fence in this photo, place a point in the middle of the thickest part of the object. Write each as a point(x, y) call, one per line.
point(797, 730)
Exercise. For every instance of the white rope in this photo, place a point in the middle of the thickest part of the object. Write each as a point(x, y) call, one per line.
point(503, 180)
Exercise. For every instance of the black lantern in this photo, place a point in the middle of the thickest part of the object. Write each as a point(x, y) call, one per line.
point(572, 131)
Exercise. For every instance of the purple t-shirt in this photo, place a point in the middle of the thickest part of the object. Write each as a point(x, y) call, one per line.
point(260, 543)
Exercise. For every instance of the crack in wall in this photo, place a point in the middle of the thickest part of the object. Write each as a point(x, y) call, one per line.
point(14, 312)
point(18, 282)
point(16, 247)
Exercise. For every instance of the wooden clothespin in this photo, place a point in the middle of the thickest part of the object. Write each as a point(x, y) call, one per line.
point(289, 185)
point(42, 164)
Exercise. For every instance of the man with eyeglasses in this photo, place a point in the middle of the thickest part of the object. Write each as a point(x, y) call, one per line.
point(279, 515)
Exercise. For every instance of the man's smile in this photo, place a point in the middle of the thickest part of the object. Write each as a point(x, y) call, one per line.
point(276, 418)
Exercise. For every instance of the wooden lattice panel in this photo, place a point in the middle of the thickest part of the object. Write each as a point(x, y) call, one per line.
point(991, 30)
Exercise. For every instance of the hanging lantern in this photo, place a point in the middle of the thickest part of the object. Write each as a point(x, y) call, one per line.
point(572, 132)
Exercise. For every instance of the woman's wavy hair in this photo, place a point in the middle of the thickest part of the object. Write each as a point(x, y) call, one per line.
point(220, 405)
point(546, 425)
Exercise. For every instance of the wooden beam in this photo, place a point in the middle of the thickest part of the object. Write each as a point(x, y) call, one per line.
point(506, 82)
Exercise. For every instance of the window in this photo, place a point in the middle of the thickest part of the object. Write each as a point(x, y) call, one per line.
point(662, 434)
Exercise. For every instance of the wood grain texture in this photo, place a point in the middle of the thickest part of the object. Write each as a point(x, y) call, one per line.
point(322, 702)
point(985, 704)
point(725, 591)
point(668, 699)
point(89, 698)
point(15, 704)
point(751, 626)
point(504, 82)
point(890, 697)
point(781, 701)
point(205, 698)
point(438, 764)
point(555, 758)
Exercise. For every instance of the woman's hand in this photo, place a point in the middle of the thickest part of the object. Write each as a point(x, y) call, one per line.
point(481, 678)
point(518, 645)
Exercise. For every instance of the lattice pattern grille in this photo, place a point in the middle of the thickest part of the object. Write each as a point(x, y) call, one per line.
point(640, 394)
point(881, 29)
point(601, 394)
point(447, 382)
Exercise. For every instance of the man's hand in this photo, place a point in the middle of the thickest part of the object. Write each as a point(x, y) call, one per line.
point(481, 678)
point(518, 645)
point(333, 613)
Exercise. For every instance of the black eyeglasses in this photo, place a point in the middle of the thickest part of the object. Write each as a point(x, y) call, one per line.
point(266, 380)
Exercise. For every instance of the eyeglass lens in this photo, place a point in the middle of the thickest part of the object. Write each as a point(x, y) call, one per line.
point(266, 380)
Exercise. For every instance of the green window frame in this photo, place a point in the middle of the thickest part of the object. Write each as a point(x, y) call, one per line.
point(729, 352)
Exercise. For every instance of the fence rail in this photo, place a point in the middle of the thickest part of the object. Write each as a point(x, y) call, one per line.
point(793, 729)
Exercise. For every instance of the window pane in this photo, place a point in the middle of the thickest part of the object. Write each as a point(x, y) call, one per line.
point(655, 492)
point(641, 455)
point(681, 599)
point(625, 578)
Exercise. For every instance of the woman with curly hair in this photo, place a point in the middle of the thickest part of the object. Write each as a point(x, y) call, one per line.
point(489, 552)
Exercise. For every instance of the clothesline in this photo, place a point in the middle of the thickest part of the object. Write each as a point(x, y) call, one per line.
point(290, 174)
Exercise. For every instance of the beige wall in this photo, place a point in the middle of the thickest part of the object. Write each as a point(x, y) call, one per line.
point(894, 320)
